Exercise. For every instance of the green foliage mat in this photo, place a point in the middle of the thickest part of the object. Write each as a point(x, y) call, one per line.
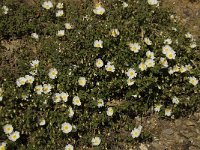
point(133, 60)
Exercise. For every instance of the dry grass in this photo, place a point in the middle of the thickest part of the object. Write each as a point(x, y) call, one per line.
point(189, 13)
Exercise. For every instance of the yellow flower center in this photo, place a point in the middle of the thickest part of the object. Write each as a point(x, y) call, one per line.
point(2, 147)
point(170, 55)
point(66, 127)
point(101, 12)
point(98, 45)
point(109, 69)
point(14, 136)
point(136, 133)
point(133, 48)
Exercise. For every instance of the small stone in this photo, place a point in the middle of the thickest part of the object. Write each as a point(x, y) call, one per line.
point(157, 146)
point(197, 115)
point(168, 131)
point(178, 122)
point(143, 147)
point(190, 123)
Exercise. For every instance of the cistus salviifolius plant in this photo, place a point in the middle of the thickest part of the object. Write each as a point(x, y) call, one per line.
point(86, 69)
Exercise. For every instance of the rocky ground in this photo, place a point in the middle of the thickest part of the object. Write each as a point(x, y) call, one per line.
point(174, 134)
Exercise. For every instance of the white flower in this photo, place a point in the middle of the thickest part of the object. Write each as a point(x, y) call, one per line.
point(21, 81)
point(29, 79)
point(176, 68)
point(150, 54)
point(66, 127)
point(100, 103)
point(136, 132)
point(70, 112)
point(157, 107)
point(76, 101)
point(68, 26)
point(53, 73)
point(124, 4)
point(171, 54)
point(98, 43)
point(131, 73)
point(150, 63)
point(47, 5)
point(142, 66)
point(57, 98)
point(47, 88)
point(130, 82)
point(99, 10)
point(59, 13)
point(82, 81)
point(188, 67)
point(3, 146)
point(35, 36)
point(163, 62)
point(168, 41)
point(193, 81)
point(64, 96)
point(5, 9)
point(33, 72)
point(42, 122)
point(60, 33)
point(96, 141)
point(59, 5)
point(168, 112)
point(109, 111)
point(147, 41)
point(183, 69)
point(175, 100)
point(114, 32)
point(166, 49)
point(38, 89)
point(34, 64)
point(174, 29)
point(99, 63)
point(188, 35)
point(135, 47)
point(14, 136)
point(25, 96)
point(69, 147)
point(193, 45)
point(170, 70)
point(8, 128)
point(153, 2)
point(109, 67)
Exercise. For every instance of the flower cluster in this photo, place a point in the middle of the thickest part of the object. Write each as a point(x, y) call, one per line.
point(47, 5)
point(12, 135)
point(23, 80)
point(58, 97)
point(5, 9)
point(99, 10)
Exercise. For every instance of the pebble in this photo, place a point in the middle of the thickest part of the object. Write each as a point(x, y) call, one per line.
point(190, 123)
point(143, 147)
point(168, 131)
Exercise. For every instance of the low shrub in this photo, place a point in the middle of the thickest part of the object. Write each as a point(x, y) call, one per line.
point(96, 66)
